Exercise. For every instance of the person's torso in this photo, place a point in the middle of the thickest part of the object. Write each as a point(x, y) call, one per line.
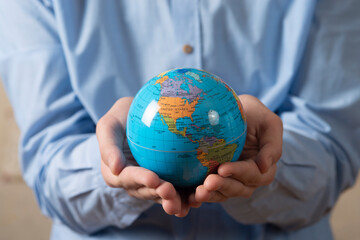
point(112, 48)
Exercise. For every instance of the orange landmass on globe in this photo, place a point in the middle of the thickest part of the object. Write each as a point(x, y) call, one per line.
point(161, 80)
point(176, 107)
point(211, 157)
point(212, 165)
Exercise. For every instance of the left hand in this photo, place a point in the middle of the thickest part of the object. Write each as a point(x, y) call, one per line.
point(257, 167)
point(120, 171)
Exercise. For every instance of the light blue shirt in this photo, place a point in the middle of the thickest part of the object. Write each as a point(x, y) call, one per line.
point(64, 63)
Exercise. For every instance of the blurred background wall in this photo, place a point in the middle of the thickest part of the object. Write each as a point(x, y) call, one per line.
point(20, 217)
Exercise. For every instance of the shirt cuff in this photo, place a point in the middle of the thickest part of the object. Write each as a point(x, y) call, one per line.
point(126, 209)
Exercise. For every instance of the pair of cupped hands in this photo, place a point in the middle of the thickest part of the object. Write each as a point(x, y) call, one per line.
point(256, 166)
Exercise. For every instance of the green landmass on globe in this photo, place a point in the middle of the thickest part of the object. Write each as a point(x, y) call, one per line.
point(183, 124)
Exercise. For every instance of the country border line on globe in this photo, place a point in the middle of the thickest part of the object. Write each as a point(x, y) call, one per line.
point(187, 151)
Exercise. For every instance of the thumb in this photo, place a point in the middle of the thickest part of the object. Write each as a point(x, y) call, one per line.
point(114, 159)
point(110, 138)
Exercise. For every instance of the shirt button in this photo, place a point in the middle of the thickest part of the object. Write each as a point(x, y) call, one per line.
point(188, 49)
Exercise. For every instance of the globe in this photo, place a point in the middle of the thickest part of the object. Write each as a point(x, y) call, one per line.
point(183, 124)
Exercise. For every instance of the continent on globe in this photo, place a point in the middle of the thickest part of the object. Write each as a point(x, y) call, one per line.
point(213, 152)
point(176, 107)
point(183, 124)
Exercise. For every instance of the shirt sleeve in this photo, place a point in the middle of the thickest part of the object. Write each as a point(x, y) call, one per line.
point(321, 120)
point(59, 152)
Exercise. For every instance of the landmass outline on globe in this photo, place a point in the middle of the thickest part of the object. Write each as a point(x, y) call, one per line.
point(180, 127)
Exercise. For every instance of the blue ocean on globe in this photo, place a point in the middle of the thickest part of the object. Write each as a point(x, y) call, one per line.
point(183, 124)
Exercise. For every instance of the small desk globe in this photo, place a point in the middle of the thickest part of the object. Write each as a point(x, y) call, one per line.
point(183, 124)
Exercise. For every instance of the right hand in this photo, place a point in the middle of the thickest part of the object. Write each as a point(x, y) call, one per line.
point(121, 172)
point(257, 163)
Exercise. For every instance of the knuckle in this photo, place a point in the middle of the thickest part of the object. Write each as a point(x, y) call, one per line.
point(147, 179)
point(227, 168)
point(213, 182)
point(150, 179)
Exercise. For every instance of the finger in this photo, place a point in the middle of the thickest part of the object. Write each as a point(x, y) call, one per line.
point(171, 199)
point(133, 177)
point(269, 176)
point(192, 201)
point(226, 188)
point(269, 154)
point(270, 143)
point(110, 132)
point(232, 188)
point(185, 208)
point(267, 128)
point(110, 179)
point(120, 109)
point(130, 177)
point(166, 190)
point(144, 193)
point(213, 182)
point(172, 206)
point(203, 195)
point(217, 196)
point(110, 136)
point(246, 172)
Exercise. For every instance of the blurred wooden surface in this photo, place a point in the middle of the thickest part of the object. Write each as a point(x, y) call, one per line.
point(20, 217)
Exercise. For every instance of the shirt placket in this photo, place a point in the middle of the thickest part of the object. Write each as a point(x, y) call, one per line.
point(187, 31)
